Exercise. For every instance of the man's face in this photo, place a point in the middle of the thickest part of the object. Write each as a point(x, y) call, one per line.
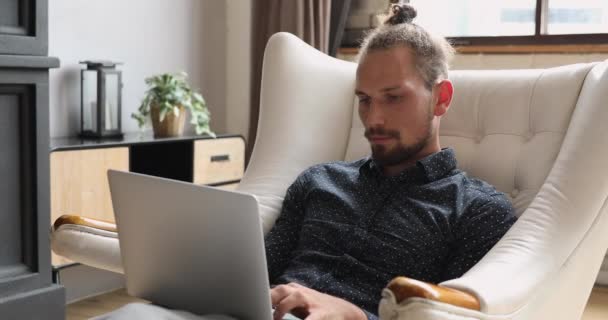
point(395, 107)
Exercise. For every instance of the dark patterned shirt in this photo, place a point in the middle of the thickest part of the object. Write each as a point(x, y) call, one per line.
point(346, 229)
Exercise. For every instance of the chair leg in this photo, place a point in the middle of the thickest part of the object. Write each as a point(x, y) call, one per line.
point(56, 276)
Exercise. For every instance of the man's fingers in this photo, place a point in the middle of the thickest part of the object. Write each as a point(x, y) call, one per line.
point(295, 285)
point(295, 299)
point(279, 293)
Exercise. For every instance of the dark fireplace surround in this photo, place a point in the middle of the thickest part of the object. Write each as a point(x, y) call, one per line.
point(26, 287)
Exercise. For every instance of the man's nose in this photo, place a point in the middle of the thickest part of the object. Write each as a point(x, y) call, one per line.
point(375, 116)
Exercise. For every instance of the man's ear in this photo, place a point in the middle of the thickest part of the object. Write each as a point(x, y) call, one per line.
point(444, 91)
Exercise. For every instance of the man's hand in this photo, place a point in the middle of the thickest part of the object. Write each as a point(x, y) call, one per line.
point(310, 304)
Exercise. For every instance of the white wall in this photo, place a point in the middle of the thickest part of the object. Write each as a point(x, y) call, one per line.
point(149, 37)
point(238, 66)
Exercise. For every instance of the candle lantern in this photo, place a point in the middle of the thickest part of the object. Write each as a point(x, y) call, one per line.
point(101, 98)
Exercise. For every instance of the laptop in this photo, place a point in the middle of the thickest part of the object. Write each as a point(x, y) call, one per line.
point(191, 247)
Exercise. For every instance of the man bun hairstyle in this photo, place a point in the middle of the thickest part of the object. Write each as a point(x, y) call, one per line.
point(401, 13)
point(432, 53)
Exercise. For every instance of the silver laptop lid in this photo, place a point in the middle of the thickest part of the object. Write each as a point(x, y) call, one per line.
point(191, 247)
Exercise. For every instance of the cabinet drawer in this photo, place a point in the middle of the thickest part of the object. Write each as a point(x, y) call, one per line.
point(231, 186)
point(218, 160)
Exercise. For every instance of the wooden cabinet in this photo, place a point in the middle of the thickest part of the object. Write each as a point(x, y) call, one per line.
point(79, 183)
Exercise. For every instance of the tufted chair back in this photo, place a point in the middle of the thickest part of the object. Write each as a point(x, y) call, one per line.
point(537, 135)
point(506, 126)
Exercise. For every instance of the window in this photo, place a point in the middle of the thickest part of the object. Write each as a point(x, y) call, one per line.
point(577, 17)
point(491, 22)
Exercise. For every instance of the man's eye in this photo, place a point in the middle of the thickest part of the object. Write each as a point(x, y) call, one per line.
point(363, 100)
point(392, 98)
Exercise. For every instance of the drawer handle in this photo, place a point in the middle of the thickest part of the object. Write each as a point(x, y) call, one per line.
point(220, 158)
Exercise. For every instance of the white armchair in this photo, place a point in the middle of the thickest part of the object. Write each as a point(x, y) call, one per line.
point(537, 135)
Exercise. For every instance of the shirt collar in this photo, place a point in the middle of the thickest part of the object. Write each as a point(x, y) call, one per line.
point(430, 168)
point(438, 164)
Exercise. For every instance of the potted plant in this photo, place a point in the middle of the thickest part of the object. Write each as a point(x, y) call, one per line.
point(166, 101)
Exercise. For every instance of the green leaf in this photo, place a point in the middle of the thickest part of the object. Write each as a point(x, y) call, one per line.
point(198, 98)
point(141, 121)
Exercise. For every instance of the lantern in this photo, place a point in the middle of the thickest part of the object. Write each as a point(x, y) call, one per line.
point(100, 104)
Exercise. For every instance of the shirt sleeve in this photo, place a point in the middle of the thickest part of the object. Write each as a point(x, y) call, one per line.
point(283, 238)
point(486, 222)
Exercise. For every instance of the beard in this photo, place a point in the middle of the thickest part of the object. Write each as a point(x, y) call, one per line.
point(401, 153)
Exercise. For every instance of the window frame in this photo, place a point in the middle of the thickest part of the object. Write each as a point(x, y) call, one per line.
point(539, 38)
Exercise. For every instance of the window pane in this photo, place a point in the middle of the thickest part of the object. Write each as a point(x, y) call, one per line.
point(575, 17)
point(111, 108)
point(470, 18)
point(89, 100)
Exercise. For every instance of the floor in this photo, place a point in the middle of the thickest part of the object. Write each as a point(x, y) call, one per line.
point(597, 307)
point(99, 305)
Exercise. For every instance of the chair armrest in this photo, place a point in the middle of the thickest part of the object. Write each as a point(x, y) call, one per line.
point(88, 241)
point(85, 222)
point(404, 288)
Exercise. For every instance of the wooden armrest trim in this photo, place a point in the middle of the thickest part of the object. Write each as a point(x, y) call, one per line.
point(404, 288)
point(83, 221)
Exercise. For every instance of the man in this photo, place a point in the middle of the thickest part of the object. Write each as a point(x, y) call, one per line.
point(347, 229)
